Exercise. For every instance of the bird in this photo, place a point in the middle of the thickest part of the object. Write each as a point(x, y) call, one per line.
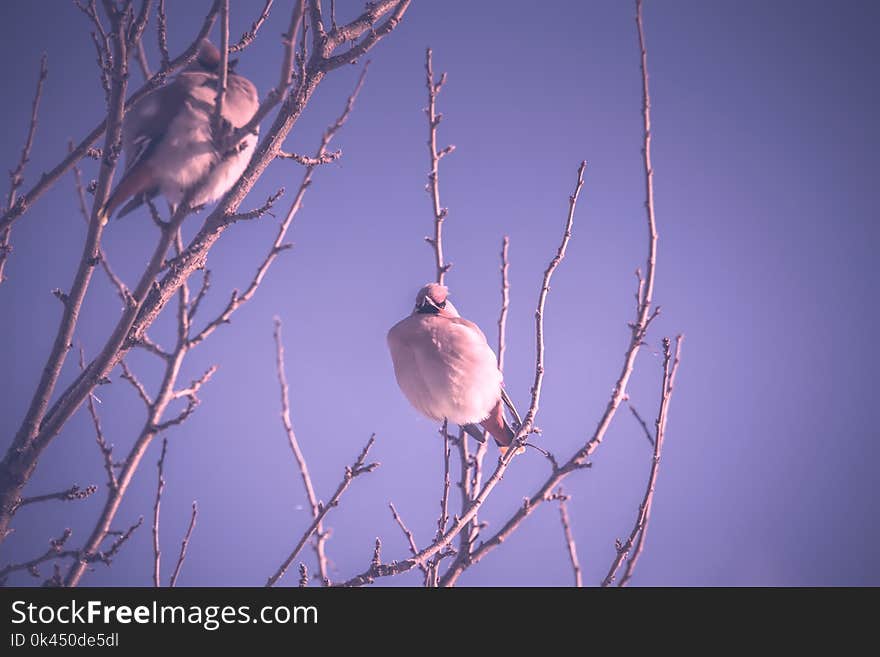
point(170, 143)
point(446, 368)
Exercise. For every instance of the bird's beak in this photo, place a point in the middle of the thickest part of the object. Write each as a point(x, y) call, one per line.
point(430, 307)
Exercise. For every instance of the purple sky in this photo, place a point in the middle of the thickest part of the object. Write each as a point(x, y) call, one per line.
point(765, 157)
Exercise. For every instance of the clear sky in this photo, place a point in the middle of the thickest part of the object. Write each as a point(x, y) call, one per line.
point(765, 156)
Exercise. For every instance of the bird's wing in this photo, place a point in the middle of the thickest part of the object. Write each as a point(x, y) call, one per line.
point(403, 343)
point(148, 121)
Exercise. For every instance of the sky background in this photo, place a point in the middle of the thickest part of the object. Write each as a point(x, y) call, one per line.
point(766, 171)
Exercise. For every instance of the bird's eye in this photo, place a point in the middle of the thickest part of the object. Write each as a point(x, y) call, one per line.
point(442, 304)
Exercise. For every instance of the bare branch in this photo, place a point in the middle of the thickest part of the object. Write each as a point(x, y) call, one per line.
point(121, 289)
point(641, 524)
point(260, 211)
point(162, 34)
point(106, 450)
point(200, 295)
point(129, 376)
point(505, 302)
point(569, 538)
point(303, 576)
point(140, 54)
point(305, 160)
point(217, 117)
point(431, 576)
point(409, 535)
point(644, 517)
point(248, 37)
point(56, 551)
point(146, 343)
point(107, 556)
point(157, 551)
point(375, 10)
point(275, 95)
point(72, 493)
point(643, 424)
point(184, 544)
point(33, 419)
point(434, 174)
point(297, 452)
point(358, 468)
point(16, 176)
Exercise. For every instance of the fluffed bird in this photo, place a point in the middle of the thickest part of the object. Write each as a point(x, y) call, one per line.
point(169, 140)
point(446, 368)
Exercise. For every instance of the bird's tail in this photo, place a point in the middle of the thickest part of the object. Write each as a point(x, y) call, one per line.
point(137, 183)
point(498, 427)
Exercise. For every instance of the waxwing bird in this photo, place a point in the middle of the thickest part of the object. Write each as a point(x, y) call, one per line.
point(170, 144)
point(446, 368)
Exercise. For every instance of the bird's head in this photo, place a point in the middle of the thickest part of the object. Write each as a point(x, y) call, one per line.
point(433, 300)
point(208, 59)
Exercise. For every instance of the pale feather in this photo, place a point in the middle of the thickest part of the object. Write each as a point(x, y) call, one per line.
point(445, 367)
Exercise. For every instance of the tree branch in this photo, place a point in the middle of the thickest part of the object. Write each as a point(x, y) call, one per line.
point(72, 493)
point(440, 212)
point(248, 37)
point(16, 176)
point(297, 452)
point(184, 545)
point(358, 468)
point(569, 538)
point(157, 551)
point(641, 527)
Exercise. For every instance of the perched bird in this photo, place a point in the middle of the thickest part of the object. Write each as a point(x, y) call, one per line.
point(446, 368)
point(170, 144)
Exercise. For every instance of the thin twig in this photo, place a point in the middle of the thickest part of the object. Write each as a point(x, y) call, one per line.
point(56, 551)
point(413, 548)
point(140, 54)
point(431, 576)
point(72, 493)
point(641, 524)
point(642, 423)
point(297, 452)
point(669, 372)
point(184, 545)
point(157, 552)
point(162, 35)
point(440, 212)
point(106, 450)
point(569, 538)
point(129, 376)
point(505, 302)
point(121, 289)
point(223, 74)
point(16, 176)
point(305, 160)
point(358, 468)
point(248, 37)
